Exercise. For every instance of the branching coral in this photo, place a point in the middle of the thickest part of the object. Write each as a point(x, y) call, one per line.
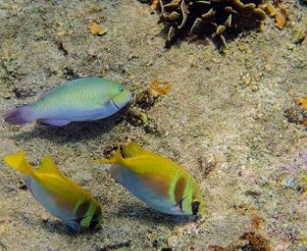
point(214, 18)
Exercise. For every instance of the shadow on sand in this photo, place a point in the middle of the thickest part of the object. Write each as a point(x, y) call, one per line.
point(73, 132)
point(149, 216)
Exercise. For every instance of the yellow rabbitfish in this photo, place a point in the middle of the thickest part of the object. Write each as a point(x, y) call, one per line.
point(59, 195)
point(156, 180)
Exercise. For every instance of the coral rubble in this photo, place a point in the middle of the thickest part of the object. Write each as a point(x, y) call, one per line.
point(213, 18)
point(137, 115)
point(97, 29)
point(281, 16)
point(297, 114)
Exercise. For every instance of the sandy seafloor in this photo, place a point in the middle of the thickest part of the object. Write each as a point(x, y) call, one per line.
point(224, 120)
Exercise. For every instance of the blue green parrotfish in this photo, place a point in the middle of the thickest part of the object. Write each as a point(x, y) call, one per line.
point(76, 100)
point(156, 180)
point(58, 194)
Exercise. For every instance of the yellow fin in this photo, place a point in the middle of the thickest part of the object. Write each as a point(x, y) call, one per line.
point(133, 149)
point(19, 162)
point(48, 166)
point(116, 159)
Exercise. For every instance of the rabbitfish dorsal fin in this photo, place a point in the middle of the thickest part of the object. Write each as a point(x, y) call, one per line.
point(133, 149)
point(48, 166)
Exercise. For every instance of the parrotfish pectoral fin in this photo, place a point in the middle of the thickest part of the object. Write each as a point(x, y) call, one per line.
point(19, 162)
point(111, 104)
point(19, 116)
point(54, 122)
point(106, 102)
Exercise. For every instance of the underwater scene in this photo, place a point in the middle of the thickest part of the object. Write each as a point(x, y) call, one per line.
point(153, 125)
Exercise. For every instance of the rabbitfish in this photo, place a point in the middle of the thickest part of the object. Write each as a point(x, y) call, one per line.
point(77, 100)
point(59, 195)
point(156, 180)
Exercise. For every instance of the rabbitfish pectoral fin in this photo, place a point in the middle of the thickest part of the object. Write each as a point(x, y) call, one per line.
point(75, 225)
point(177, 209)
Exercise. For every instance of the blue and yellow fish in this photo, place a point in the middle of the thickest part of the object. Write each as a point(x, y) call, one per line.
point(59, 195)
point(156, 180)
point(77, 100)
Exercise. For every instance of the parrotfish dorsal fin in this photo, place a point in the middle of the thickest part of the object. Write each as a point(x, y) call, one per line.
point(133, 149)
point(48, 166)
point(18, 161)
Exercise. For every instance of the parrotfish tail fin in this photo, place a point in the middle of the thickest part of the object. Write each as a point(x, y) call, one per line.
point(133, 149)
point(19, 162)
point(116, 159)
point(19, 116)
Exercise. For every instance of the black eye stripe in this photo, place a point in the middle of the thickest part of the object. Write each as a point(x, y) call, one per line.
point(195, 207)
point(96, 218)
point(93, 224)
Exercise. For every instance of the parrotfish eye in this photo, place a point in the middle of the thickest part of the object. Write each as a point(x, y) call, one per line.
point(120, 88)
point(195, 207)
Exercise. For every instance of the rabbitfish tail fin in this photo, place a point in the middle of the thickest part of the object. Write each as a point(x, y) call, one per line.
point(19, 162)
point(116, 159)
point(19, 116)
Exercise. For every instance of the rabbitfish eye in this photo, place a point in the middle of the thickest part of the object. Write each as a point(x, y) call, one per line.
point(94, 224)
point(195, 207)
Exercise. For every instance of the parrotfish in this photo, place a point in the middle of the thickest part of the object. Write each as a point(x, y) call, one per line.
point(77, 100)
point(59, 195)
point(159, 182)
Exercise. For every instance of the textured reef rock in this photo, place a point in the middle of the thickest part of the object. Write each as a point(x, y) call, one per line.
point(213, 18)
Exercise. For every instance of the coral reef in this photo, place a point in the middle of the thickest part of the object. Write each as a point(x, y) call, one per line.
point(281, 15)
point(215, 18)
point(297, 114)
point(148, 98)
point(137, 115)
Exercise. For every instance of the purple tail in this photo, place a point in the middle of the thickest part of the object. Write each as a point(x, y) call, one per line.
point(19, 116)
